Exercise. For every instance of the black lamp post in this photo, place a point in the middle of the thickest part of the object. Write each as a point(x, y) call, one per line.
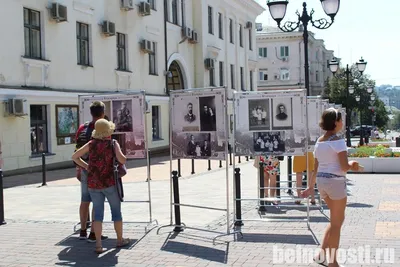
point(278, 12)
point(358, 99)
point(334, 67)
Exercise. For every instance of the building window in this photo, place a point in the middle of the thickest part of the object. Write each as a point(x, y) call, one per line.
point(220, 27)
point(285, 74)
point(175, 12)
point(233, 76)
point(251, 81)
point(210, 20)
point(82, 40)
point(221, 73)
point(240, 35)
point(212, 77)
point(33, 42)
point(263, 76)
point(262, 52)
point(241, 79)
point(153, 60)
point(38, 117)
point(250, 40)
point(152, 4)
point(231, 31)
point(155, 122)
point(121, 51)
point(284, 51)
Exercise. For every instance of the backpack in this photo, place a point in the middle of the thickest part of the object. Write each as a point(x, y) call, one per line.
point(84, 137)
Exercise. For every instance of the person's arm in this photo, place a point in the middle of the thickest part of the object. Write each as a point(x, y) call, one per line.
point(76, 157)
point(118, 153)
point(313, 177)
point(345, 164)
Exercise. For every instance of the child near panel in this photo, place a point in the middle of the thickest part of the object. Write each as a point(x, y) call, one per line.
point(271, 170)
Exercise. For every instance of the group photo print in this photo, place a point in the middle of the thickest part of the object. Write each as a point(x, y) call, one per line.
point(269, 142)
point(259, 115)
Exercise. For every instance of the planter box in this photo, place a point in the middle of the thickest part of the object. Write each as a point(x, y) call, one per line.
point(378, 165)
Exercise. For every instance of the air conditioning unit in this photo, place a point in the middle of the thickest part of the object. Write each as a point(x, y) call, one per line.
point(187, 32)
point(194, 37)
point(16, 107)
point(58, 12)
point(209, 63)
point(146, 47)
point(144, 8)
point(108, 28)
point(148, 106)
point(127, 5)
point(284, 59)
point(249, 25)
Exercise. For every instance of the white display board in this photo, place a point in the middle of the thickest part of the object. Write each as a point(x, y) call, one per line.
point(127, 111)
point(270, 122)
point(198, 122)
point(314, 113)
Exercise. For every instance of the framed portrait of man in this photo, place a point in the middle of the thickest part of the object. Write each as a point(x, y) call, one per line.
point(282, 113)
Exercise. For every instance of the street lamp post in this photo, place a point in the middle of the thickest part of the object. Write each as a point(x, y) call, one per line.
point(278, 12)
point(334, 67)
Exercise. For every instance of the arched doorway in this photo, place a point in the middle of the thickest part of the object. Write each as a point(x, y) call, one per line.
point(175, 78)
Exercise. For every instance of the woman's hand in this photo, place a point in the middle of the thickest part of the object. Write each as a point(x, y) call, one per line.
point(307, 192)
point(354, 165)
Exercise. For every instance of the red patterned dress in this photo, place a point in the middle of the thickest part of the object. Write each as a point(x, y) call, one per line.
point(100, 171)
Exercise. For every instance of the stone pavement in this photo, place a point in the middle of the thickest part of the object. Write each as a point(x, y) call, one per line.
point(40, 221)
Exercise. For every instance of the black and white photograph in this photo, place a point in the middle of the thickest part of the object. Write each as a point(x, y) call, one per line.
point(282, 113)
point(186, 116)
point(269, 142)
point(259, 115)
point(122, 115)
point(208, 121)
point(197, 146)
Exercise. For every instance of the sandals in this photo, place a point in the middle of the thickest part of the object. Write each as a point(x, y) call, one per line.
point(125, 242)
point(298, 202)
point(313, 202)
point(100, 250)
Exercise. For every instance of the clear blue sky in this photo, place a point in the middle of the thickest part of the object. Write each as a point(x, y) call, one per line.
point(362, 28)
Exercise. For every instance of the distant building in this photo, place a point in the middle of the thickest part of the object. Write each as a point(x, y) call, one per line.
point(281, 60)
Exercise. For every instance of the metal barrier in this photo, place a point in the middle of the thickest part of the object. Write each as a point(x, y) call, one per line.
point(2, 220)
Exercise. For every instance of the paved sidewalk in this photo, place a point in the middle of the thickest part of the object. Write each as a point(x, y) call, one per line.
point(40, 222)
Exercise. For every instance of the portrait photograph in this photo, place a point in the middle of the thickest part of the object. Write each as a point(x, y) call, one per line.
point(269, 142)
point(122, 115)
point(185, 112)
point(67, 117)
point(282, 114)
point(259, 115)
point(208, 121)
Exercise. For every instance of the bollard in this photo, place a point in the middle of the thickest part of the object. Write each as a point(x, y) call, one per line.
point(278, 184)
point(2, 220)
point(262, 185)
point(44, 169)
point(179, 168)
point(289, 171)
point(177, 208)
point(239, 161)
point(220, 163)
point(193, 167)
point(238, 217)
point(209, 165)
point(247, 158)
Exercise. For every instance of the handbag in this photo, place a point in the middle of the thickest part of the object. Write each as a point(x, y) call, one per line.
point(119, 172)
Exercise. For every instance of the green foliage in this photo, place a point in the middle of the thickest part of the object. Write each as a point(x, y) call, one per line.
point(336, 92)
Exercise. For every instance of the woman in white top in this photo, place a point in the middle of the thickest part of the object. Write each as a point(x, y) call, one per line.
point(330, 168)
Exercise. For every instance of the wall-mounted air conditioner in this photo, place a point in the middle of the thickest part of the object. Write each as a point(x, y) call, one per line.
point(249, 25)
point(108, 28)
point(186, 32)
point(127, 5)
point(209, 63)
point(145, 46)
point(58, 12)
point(194, 38)
point(144, 8)
point(16, 107)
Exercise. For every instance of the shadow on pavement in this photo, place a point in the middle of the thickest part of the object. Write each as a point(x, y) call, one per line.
point(80, 257)
point(192, 250)
point(277, 238)
point(359, 205)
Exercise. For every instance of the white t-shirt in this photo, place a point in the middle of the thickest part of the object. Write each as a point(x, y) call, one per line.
point(326, 153)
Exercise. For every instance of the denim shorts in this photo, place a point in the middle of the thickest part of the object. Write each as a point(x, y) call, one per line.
point(98, 199)
point(85, 196)
point(332, 186)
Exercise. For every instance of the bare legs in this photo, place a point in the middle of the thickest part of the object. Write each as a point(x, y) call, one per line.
point(270, 181)
point(331, 239)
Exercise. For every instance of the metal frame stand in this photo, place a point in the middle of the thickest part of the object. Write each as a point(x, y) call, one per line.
point(152, 223)
point(261, 200)
point(179, 226)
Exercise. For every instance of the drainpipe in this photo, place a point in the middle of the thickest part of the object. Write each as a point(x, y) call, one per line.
point(165, 44)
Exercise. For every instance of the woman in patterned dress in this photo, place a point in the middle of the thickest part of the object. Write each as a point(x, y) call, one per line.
point(271, 170)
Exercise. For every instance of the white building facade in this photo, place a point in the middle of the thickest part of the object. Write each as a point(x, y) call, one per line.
point(281, 60)
point(57, 50)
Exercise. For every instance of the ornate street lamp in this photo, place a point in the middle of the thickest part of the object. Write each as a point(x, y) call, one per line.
point(277, 10)
point(334, 67)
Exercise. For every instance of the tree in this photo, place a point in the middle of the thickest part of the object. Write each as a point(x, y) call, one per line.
point(335, 91)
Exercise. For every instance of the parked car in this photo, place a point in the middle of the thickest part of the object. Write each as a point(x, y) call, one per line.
point(365, 128)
